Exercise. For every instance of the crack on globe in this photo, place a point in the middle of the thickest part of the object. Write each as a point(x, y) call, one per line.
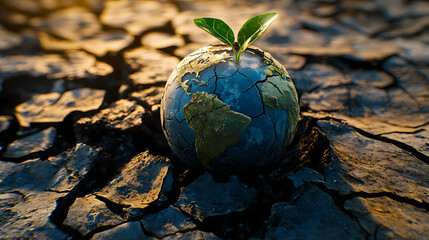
point(280, 94)
point(200, 60)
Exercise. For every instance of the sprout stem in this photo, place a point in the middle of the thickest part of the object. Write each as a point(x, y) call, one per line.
point(236, 55)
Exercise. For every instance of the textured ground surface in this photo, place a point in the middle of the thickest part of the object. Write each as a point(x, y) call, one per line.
point(83, 155)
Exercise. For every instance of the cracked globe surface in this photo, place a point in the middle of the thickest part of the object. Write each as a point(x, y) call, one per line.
point(229, 117)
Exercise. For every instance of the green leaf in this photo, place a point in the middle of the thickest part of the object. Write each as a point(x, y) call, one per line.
point(217, 28)
point(253, 29)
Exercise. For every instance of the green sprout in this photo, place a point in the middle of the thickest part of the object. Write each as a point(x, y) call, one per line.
point(249, 32)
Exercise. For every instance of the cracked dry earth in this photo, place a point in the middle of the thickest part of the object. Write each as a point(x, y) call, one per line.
point(83, 155)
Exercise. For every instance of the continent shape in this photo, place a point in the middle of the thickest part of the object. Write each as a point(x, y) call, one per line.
point(215, 125)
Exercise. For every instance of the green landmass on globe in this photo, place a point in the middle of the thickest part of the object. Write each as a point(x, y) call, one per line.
point(230, 108)
point(215, 125)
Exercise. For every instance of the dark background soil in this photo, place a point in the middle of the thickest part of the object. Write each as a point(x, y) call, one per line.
point(83, 155)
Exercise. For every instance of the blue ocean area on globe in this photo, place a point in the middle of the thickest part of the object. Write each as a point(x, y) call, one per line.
point(229, 117)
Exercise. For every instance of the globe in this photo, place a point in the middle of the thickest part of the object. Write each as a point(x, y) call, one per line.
point(229, 117)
